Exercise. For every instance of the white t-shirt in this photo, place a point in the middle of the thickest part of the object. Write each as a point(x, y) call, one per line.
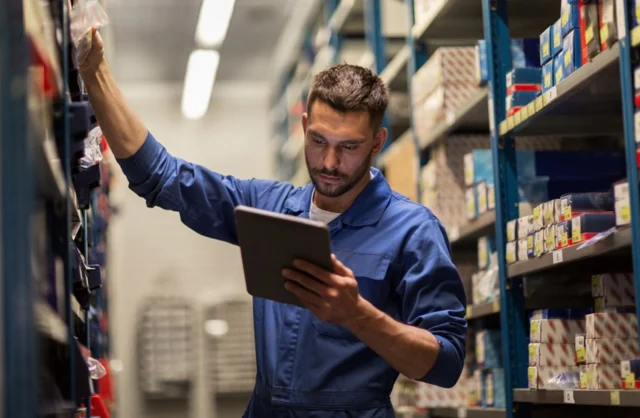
point(321, 215)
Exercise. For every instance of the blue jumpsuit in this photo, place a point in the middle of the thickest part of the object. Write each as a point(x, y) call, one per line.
point(397, 250)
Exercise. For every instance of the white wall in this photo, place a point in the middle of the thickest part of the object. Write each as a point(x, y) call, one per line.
point(152, 252)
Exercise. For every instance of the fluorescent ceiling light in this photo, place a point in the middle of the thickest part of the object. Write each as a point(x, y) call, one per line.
point(216, 327)
point(213, 22)
point(198, 83)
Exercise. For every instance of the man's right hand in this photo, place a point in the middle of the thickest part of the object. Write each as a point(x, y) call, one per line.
point(90, 53)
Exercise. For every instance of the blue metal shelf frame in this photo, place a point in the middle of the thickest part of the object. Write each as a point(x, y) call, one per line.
point(628, 110)
point(20, 362)
point(512, 314)
point(417, 58)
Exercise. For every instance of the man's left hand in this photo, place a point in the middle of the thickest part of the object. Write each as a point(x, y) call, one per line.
point(331, 296)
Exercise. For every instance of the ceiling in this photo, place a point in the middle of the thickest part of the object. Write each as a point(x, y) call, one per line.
point(152, 39)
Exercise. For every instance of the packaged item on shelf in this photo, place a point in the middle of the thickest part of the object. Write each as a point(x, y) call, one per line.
point(611, 350)
point(523, 250)
point(564, 313)
point(616, 288)
point(588, 225)
point(511, 252)
point(563, 234)
point(493, 392)
point(583, 376)
point(612, 325)
point(478, 166)
point(603, 376)
point(524, 79)
point(511, 230)
point(486, 247)
point(574, 204)
point(538, 243)
point(556, 43)
point(551, 354)
point(483, 197)
point(607, 22)
point(489, 349)
point(549, 238)
point(544, 189)
point(545, 45)
point(558, 69)
point(471, 203)
point(556, 331)
point(491, 196)
point(547, 76)
point(482, 63)
point(549, 212)
point(486, 285)
point(525, 53)
point(589, 31)
point(630, 373)
point(519, 99)
point(543, 377)
point(581, 349)
point(530, 245)
point(571, 53)
point(567, 165)
point(622, 204)
point(442, 104)
point(569, 16)
point(525, 226)
point(606, 305)
point(538, 219)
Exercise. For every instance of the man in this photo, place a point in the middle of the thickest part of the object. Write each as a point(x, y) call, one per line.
point(394, 302)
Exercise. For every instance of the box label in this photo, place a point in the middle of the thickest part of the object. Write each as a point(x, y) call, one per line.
point(547, 80)
point(615, 397)
point(557, 256)
point(557, 39)
point(568, 397)
point(588, 34)
point(567, 58)
point(630, 380)
point(581, 354)
point(545, 50)
point(576, 234)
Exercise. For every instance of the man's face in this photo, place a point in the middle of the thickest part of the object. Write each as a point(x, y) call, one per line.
point(339, 148)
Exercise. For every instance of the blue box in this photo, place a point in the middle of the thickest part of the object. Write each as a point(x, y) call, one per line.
point(556, 40)
point(482, 63)
point(571, 53)
point(547, 76)
point(569, 16)
point(558, 69)
point(486, 247)
point(574, 204)
point(524, 76)
point(570, 164)
point(545, 45)
point(587, 225)
point(471, 202)
point(489, 349)
point(543, 189)
point(520, 98)
point(566, 313)
point(478, 166)
point(493, 388)
point(525, 53)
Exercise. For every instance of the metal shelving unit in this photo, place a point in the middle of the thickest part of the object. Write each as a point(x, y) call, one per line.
point(579, 397)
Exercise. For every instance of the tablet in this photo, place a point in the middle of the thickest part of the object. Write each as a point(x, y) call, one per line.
point(270, 241)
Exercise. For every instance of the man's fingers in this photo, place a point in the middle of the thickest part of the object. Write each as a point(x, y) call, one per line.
point(305, 295)
point(314, 271)
point(339, 267)
point(302, 279)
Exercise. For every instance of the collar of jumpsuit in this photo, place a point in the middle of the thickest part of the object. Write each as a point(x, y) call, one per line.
point(397, 250)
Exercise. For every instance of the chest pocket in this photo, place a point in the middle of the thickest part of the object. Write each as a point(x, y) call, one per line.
point(370, 271)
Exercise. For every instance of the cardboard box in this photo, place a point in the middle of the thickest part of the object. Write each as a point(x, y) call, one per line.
point(622, 203)
point(511, 252)
point(539, 377)
point(538, 219)
point(603, 377)
point(523, 250)
point(482, 63)
point(556, 331)
point(545, 45)
point(486, 247)
point(612, 325)
point(569, 16)
point(574, 204)
point(489, 349)
point(524, 77)
point(547, 76)
point(491, 196)
point(611, 351)
point(538, 243)
point(451, 68)
point(583, 377)
point(581, 349)
point(588, 225)
point(551, 354)
point(550, 244)
point(531, 249)
point(494, 393)
point(607, 23)
point(589, 31)
point(563, 234)
point(471, 203)
point(558, 69)
point(442, 104)
point(571, 59)
point(525, 226)
point(616, 288)
point(483, 197)
point(478, 166)
point(525, 53)
point(549, 212)
point(511, 230)
point(556, 43)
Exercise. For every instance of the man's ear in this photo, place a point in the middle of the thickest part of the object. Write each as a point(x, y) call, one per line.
point(305, 122)
point(379, 140)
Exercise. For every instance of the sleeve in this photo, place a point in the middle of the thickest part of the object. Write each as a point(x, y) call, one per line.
point(204, 199)
point(433, 298)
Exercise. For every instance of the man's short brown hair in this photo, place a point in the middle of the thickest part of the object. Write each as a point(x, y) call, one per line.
point(350, 88)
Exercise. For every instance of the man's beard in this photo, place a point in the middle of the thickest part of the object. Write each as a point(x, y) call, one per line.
point(347, 182)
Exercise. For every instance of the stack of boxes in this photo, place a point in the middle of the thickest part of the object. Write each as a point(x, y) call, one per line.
point(478, 180)
point(489, 374)
point(524, 54)
point(441, 86)
point(552, 349)
point(485, 283)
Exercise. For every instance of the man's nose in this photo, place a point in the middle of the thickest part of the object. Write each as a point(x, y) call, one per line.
point(331, 159)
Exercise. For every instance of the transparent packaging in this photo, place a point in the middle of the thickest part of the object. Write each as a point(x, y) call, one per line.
point(96, 369)
point(84, 16)
point(569, 380)
point(92, 150)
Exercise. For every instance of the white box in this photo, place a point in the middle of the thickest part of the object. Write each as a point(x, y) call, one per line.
point(546, 355)
point(556, 331)
point(611, 351)
point(622, 205)
point(612, 325)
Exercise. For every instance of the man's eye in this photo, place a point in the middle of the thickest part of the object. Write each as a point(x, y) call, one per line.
point(349, 147)
point(317, 141)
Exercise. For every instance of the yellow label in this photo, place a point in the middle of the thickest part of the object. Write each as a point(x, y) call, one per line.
point(531, 374)
point(576, 235)
point(567, 58)
point(538, 104)
point(531, 108)
point(536, 213)
point(559, 74)
point(588, 34)
point(556, 40)
point(518, 118)
point(550, 243)
point(509, 123)
point(548, 217)
point(535, 327)
point(625, 214)
point(525, 113)
point(599, 305)
point(565, 239)
point(496, 305)
point(604, 33)
point(567, 213)
point(630, 381)
point(468, 311)
point(547, 80)
point(591, 378)
point(503, 127)
point(532, 352)
point(545, 49)
point(565, 17)
point(530, 241)
point(583, 380)
point(615, 397)
point(581, 354)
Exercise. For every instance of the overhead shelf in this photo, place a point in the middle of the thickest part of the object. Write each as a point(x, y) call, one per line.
point(613, 247)
point(469, 233)
point(468, 412)
point(472, 117)
point(578, 397)
point(348, 17)
point(395, 73)
point(587, 102)
point(458, 20)
point(483, 309)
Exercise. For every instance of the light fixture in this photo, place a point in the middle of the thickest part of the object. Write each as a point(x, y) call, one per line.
point(198, 83)
point(216, 327)
point(213, 22)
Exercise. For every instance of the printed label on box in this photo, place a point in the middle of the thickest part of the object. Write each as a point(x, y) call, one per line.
point(622, 204)
point(576, 233)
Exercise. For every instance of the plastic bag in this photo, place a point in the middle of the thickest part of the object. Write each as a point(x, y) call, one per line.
point(86, 14)
point(569, 380)
point(92, 148)
point(96, 369)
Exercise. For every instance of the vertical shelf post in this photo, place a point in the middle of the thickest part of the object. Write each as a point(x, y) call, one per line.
point(512, 314)
point(628, 111)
